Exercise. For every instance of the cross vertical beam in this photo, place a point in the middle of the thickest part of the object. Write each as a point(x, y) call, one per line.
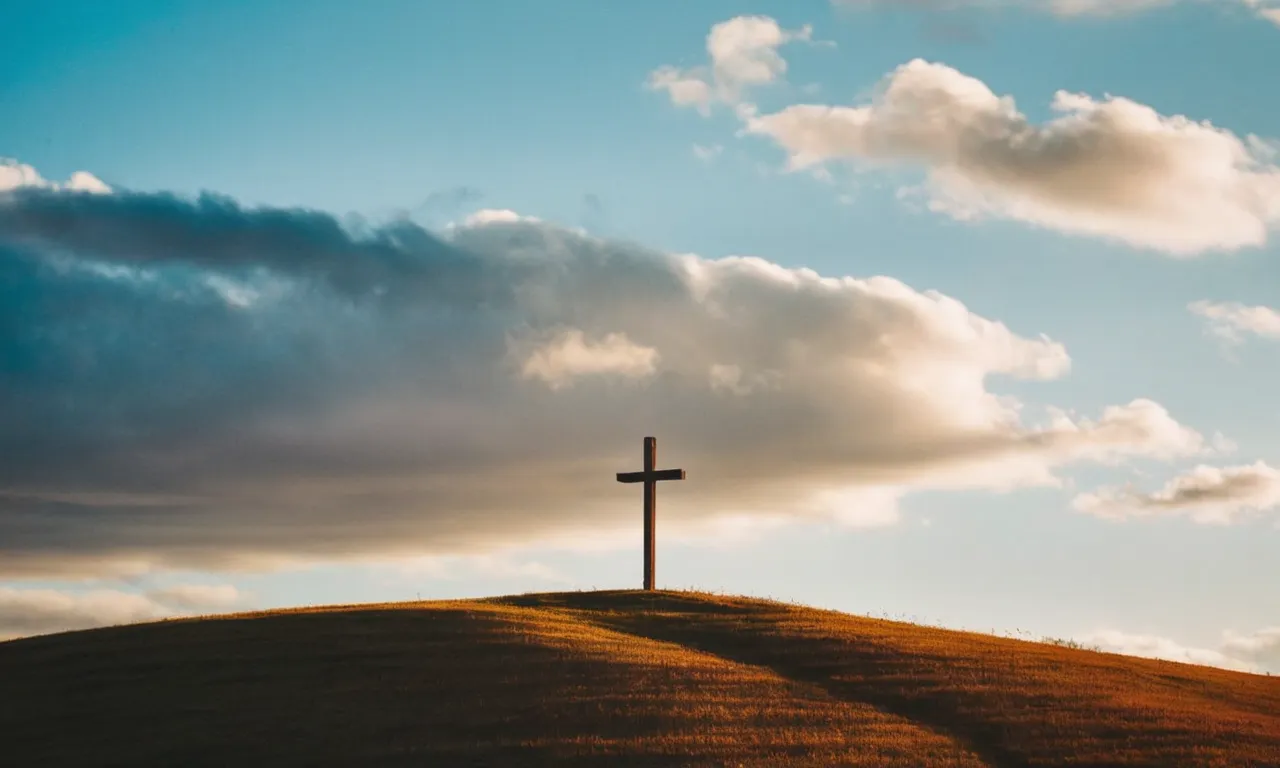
point(650, 510)
point(650, 477)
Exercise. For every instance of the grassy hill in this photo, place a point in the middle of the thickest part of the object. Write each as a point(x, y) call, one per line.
point(608, 679)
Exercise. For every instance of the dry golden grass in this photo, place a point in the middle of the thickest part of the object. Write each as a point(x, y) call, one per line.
point(609, 678)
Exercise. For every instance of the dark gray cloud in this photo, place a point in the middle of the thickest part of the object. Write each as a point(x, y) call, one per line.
point(191, 383)
point(213, 232)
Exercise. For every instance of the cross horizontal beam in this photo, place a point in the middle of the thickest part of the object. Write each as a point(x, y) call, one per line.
point(654, 476)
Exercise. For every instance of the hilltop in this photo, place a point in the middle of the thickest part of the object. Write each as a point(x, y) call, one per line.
point(605, 679)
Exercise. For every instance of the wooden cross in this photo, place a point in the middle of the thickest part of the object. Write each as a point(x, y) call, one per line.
point(650, 478)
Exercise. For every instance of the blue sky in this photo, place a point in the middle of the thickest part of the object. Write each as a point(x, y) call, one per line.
point(378, 114)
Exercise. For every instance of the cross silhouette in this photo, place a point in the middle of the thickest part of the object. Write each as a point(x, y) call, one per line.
point(650, 478)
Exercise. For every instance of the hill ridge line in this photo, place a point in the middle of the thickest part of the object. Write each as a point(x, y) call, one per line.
point(620, 678)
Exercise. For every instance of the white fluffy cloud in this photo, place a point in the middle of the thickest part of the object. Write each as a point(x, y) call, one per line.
point(1231, 321)
point(1112, 168)
point(466, 393)
point(494, 216)
point(570, 355)
point(26, 612)
point(743, 52)
point(1100, 7)
point(1265, 9)
point(1210, 495)
point(1056, 7)
point(14, 175)
point(1257, 652)
point(1268, 10)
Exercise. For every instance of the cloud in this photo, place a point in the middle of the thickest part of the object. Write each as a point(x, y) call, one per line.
point(1261, 648)
point(494, 216)
point(1230, 321)
point(1265, 9)
point(14, 175)
point(488, 566)
point(1258, 652)
point(743, 52)
point(571, 355)
point(125, 233)
point(195, 384)
point(1065, 8)
point(196, 597)
point(686, 88)
point(26, 612)
point(1114, 168)
point(1209, 495)
point(1155, 647)
point(1101, 7)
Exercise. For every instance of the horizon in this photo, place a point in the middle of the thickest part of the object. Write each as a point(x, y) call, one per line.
point(965, 312)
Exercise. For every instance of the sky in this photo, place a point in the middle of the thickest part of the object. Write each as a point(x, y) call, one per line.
point(964, 313)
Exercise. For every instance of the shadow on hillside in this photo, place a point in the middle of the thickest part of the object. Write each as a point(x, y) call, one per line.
point(1009, 702)
point(447, 684)
point(745, 632)
point(364, 687)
